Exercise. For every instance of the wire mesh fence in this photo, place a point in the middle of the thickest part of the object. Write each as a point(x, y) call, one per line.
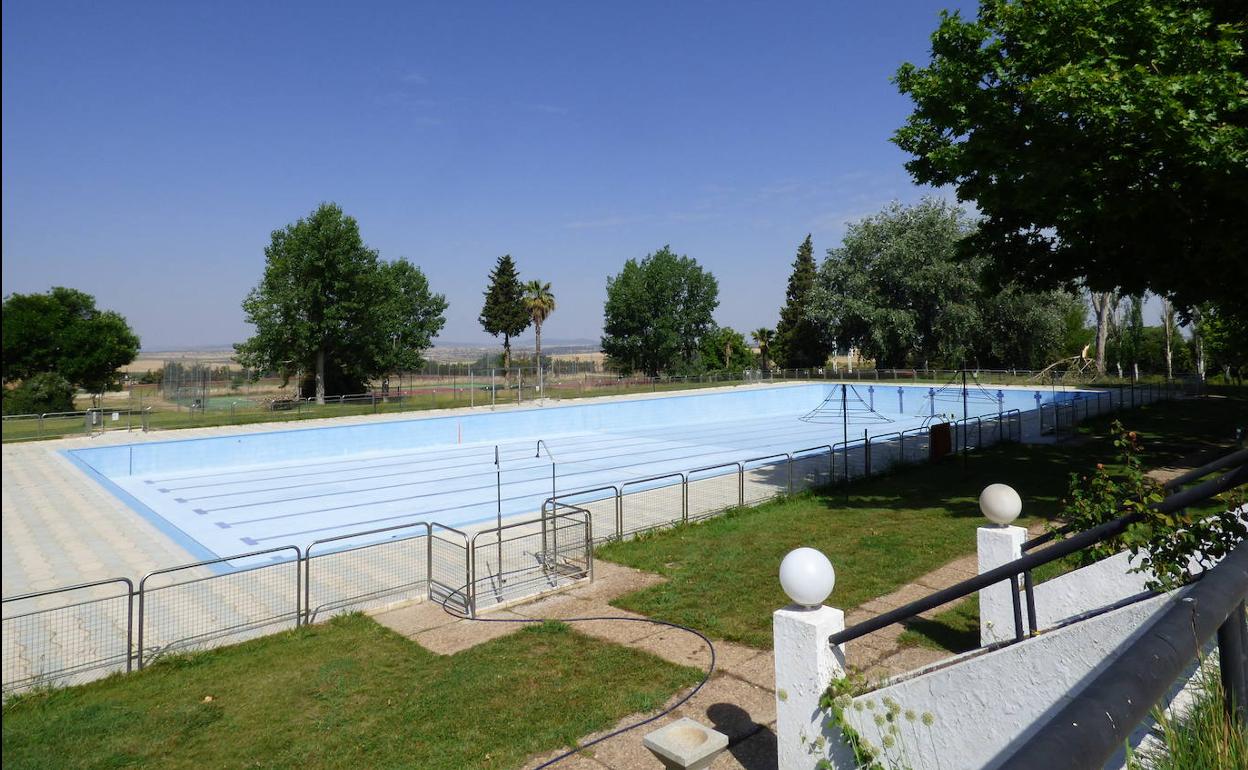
point(712, 490)
point(517, 561)
point(450, 572)
point(67, 636)
point(603, 506)
point(763, 478)
point(194, 607)
point(652, 503)
point(350, 574)
point(185, 396)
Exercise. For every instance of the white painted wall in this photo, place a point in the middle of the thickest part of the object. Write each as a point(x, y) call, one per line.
point(989, 700)
point(1058, 600)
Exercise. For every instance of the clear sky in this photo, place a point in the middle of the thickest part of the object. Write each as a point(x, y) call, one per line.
point(150, 148)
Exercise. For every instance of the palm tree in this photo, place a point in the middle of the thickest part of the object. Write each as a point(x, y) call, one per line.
point(541, 303)
point(762, 338)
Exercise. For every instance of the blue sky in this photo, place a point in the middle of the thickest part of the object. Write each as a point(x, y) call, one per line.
point(150, 148)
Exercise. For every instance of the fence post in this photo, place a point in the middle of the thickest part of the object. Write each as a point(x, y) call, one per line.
point(806, 663)
point(997, 546)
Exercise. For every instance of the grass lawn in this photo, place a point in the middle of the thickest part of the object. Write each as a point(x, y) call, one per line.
point(347, 693)
point(887, 530)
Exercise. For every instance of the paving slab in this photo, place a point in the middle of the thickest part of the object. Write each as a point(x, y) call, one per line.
point(757, 752)
point(415, 618)
point(732, 706)
point(759, 670)
point(464, 634)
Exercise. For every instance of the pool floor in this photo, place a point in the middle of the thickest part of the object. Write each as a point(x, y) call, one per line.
point(227, 510)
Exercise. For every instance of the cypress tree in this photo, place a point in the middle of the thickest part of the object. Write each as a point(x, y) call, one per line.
point(798, 343)
point(505, 311)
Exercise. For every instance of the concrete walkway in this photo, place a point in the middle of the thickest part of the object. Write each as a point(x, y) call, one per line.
point(738, 701)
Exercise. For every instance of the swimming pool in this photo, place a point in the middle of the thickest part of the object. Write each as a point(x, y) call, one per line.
point(224, 495)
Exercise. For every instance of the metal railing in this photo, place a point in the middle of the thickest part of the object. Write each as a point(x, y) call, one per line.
point(1093, 723)
point(227, 402)
point(333, 575)
point(665, 500)
point(68, 635)
point(73, 634)
point(181, 612)
point(1011, 572)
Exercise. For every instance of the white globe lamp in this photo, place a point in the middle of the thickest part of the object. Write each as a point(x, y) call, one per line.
point(807, 576)
point(1000, 504)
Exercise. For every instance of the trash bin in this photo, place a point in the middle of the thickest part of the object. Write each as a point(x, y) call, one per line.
point(940, 440)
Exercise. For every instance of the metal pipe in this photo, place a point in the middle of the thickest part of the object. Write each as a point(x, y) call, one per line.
point(1234, 667)
point(1093, 724)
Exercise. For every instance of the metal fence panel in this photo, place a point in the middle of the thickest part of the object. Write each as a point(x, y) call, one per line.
point(763, 478)
point(886, 451)
point(195, 606)
point(652, 503)
point(348, 574)
point(450, 574)
point(812, 468)
point(713, 490)
point(68, 635)
point(603, 505)
point(519, 560)
point(849, 460)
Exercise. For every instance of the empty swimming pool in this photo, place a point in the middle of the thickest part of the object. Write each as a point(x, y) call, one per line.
point(223, 495)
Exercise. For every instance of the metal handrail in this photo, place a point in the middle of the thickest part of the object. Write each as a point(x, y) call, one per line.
point(1093, 724)
point(541, 521)
point(1028, 562)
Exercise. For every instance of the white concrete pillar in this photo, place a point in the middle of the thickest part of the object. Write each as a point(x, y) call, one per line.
point(805, 665)
point(997, 546)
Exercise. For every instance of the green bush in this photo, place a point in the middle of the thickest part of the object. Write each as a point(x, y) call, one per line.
point(40, 393)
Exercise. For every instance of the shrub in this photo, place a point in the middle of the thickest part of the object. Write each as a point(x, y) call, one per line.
point(44, 392)
point(1166, 543)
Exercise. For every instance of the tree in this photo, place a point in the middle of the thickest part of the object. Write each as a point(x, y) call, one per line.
point(657, 311)
point(724, 349)
point(39, 394)
point(763, 337)
point(895, 290)
point(799, 342)
point(1102, 142)
point(1103, 304)
point(1168, 324)
point(540, 303)
point(63, 332)
point(1027, 330)
point(1226, 341)
point(1194, 317)
point(411, 316)
point(505, 312)
point(327, 305)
